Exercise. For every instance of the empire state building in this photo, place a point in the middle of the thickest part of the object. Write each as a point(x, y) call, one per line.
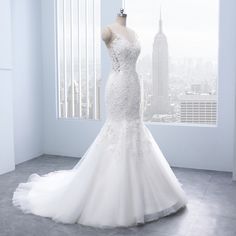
point(160, 73)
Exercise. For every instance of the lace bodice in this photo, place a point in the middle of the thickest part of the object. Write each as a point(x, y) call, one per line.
point(123, 88)
point(123, 53)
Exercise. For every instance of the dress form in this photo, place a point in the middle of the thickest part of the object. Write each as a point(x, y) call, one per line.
point(118, 27)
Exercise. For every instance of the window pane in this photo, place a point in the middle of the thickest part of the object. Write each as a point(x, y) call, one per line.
point(178, 64)
point(78, 26)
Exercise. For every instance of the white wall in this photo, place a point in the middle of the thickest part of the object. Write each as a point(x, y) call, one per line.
point(27, 76)
point(184, 146)
point(6, 122)
point(6, 101)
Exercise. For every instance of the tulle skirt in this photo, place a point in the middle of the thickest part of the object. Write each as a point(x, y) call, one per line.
point(122, 180)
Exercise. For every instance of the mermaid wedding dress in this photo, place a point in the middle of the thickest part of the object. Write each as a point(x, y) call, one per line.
point(123, 178)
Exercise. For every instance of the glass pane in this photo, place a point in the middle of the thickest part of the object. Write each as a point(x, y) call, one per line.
point(60, 54)
point(97, 56)
point(179, 57)
point(78, 35)
point(75, 56)
point(68, 69)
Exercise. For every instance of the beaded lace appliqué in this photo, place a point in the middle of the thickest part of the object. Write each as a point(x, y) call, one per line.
point(123, 89)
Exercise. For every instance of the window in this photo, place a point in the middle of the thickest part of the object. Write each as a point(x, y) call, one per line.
point(78, 58)
point(178, 64)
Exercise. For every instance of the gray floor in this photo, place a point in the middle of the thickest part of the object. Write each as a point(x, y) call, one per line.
point(211, 209)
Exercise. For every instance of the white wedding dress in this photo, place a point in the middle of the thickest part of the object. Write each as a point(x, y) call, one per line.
point(123, 178)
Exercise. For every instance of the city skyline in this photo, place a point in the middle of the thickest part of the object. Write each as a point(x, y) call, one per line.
point(171, 63)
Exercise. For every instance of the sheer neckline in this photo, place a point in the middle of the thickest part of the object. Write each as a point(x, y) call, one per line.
point(118, 35)
point(121, 36)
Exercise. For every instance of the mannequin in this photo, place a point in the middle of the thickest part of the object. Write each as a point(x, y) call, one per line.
point(118, 27)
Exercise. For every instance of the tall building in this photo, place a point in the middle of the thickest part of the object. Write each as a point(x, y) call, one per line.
point(160, 73)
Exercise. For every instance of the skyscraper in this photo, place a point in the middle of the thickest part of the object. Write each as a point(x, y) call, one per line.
point(160, 73)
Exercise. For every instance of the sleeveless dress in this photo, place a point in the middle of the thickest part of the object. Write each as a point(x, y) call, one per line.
point(123, 178)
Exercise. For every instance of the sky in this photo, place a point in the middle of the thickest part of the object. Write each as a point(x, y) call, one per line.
point(191, 26)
